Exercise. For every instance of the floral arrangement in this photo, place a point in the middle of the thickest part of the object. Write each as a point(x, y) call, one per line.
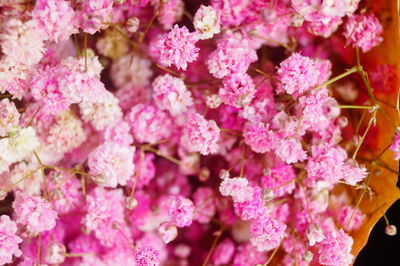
point(172, 132)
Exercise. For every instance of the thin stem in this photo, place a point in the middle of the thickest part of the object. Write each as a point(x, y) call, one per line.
point(242, 162)
point(21, 179)
point(358, 202)
point(137, 174)
point(360, 122)
point(273, 254)
point(157, 152)
point(213, 245)
point(343, 75)
point(85, 40)
point(39, 254)
point(33, 116)
point(68, 170)
point(371, 121)
point(380, 209)
point(168, 70)
point(46, 190)
point(356, 107)
point(75, 255)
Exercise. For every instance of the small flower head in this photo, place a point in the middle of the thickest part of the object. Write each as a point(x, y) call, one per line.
point(298, 74)
point(8, 240)
point(364, 31)
point(206, 22)
point(34, 212)
point(202, 135)
point(177, 47)
point(170, 93)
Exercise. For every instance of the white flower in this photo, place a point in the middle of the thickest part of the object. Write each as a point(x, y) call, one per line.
point(206, 22)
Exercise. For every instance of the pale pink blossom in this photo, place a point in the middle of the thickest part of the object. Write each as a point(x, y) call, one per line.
point(170, 93)
point(113, 163)
point(363, 31)
point(34, 212)
point(206, 22)
point(9, 240)
point(177, 47)
point(202, 135)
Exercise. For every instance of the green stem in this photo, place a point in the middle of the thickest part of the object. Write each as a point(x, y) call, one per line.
point(343, 75)
point(356, 107)
point(371, 121)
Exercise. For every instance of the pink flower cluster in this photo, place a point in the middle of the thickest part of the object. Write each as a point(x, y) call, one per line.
point(137, 132)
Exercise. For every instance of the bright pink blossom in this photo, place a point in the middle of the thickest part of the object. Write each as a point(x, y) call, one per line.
point(202, 135)
point(34, 212)
point(180, 210)
point(364, 31)
point(112, 163)
point(266, 233)
point(170, 93)
point(148, 123)
point(297, 74)
point(238, 90)
point(8, 240)
point(177, 47)
point(56, 18)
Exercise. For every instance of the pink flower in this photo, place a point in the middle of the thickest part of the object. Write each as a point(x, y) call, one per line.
point(281, 179)
point(180, 211)
point(147, 256)
point(66, 194)
point(202, 135)
point(350, 218)
point(178, 47)
point(232, 56)
point(297, 74)
point(314, 234)
point(259, 137)
point(8, 240)
point(326, 163)
point(206, 22)
point(223, 252)
point(266, 233)
point(238, 90)
point(56, 18)
point(168, 232)
point(95, 15)
point(170, 94)
point(171, 12)
point(204, 201)
point(9, 117)
point(335, 249)
point(395, 147)
point(34, 212)
point(352, 173)
point(290, 151)
point(251, 208)
point(113, 163)
point(363, 31)
point(118, 133)
point(246, 254)
point(238, 188)
point(148, 123)
point(105, 209)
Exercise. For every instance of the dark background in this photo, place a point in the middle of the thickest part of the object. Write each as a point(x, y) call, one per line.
point(382, 249)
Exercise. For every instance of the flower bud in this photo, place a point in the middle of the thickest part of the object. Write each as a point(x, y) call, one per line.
point(224, 174)
point(132, 25)
point(168, 232)
point(204, 174)
point(55, 253)
point(131, 203)
point(307, 256)
point(391, 230)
